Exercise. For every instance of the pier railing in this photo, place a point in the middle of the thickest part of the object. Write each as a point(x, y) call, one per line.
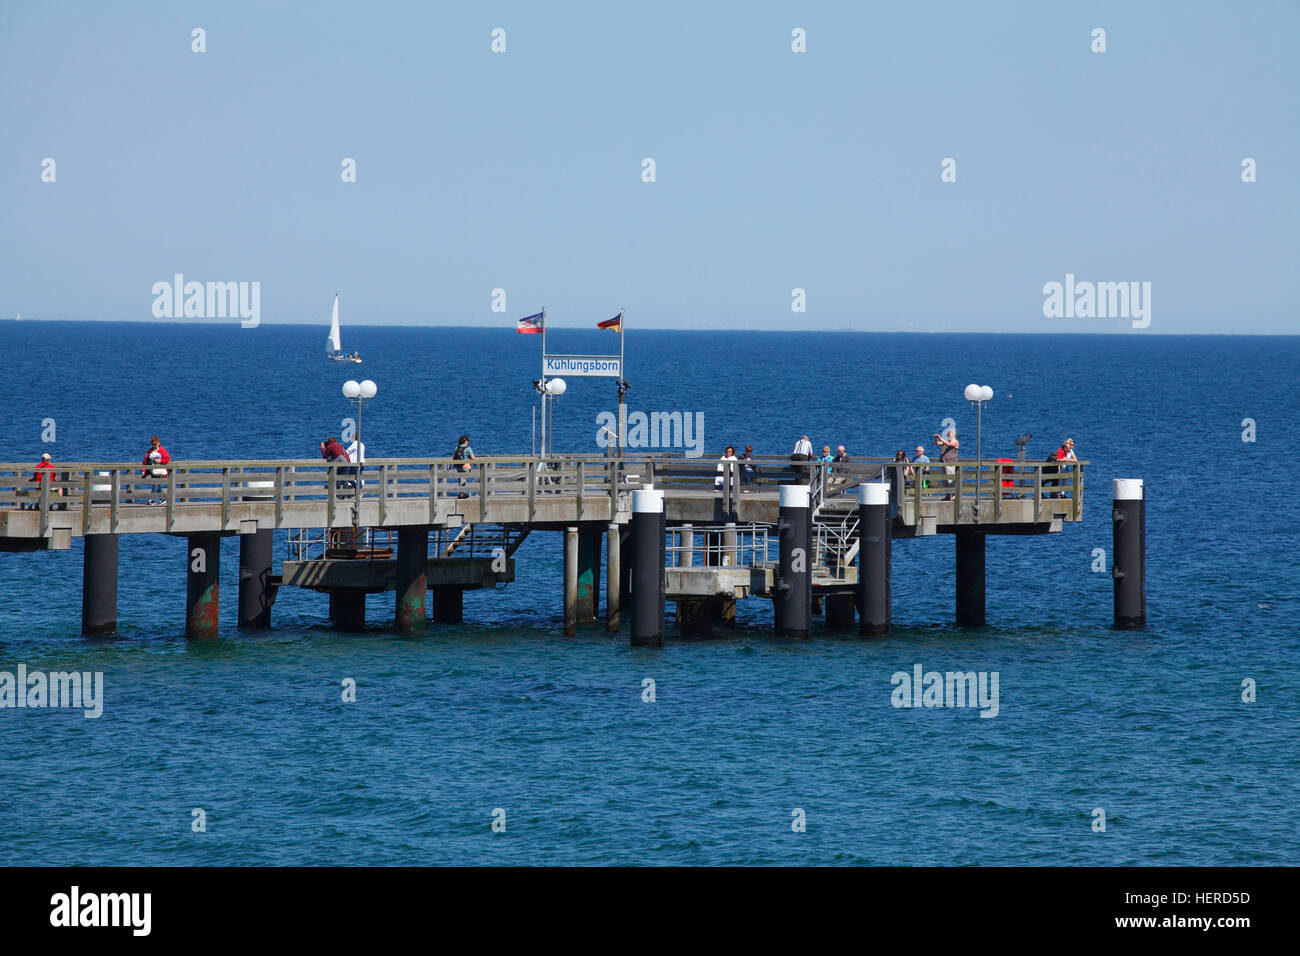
point(116, 488)
point(731, 545)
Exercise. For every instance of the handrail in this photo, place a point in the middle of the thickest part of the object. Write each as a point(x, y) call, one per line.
point(392, 483)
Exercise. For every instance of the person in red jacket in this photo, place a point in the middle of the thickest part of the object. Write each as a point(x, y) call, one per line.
point(332, 451)
point(153, 458)
point(45, 474)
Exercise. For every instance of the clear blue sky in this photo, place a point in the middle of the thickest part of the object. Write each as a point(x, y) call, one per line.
point(775, 170)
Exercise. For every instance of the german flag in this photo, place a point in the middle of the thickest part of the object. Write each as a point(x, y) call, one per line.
point(616, 323)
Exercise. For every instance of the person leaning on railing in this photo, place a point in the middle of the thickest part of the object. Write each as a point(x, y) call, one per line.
point(334, 453)
point(153, 458)
point(44, 475)
point(748, 470)
point(918, 467)
point(841, 458)
point(1063, 454)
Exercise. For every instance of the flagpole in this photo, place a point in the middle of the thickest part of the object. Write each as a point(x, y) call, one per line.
point(622, 392)
point(543, 381)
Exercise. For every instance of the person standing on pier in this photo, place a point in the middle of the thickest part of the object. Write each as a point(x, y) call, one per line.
point(45, 470)
point(333, 452)
point(727, 470)
point(841, 457)
point(748, 470)
point(948, 456)
point(44, 474)
point(1064, 453)
point(357, 455)
point(920, 460)
point(155, 456)
point(463, 454)
point(802, 452)
point(826, 460)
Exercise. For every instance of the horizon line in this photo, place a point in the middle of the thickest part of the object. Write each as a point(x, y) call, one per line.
point(663, 328)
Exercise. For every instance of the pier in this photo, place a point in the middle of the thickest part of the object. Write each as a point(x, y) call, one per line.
point(811, 538)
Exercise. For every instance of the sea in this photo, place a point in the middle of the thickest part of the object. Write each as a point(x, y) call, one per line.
point(1171, 745)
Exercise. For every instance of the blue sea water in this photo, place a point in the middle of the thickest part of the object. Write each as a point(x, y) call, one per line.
point(504, 712)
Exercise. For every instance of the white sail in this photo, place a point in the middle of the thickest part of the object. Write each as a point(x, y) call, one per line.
point(335, 345)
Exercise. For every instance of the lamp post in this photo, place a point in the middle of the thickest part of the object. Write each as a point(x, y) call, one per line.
point(623, 386)
point(979, 396)
point(549, 389)
point(554, 389)
point(359, 392)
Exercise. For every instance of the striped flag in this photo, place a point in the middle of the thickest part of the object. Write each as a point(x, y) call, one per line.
point(531, 323)
point(616, 323)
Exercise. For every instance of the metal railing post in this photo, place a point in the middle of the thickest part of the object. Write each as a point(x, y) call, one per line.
point(87, 499)
point(114, 499)
point(279, 495)
point(329, 505)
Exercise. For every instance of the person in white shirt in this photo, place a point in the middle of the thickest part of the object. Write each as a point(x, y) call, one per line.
point(357, 451)
point(802, 452)
point(726, 470)
point(357, 455)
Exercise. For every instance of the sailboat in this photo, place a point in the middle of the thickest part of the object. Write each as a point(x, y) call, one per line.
point(334, 344)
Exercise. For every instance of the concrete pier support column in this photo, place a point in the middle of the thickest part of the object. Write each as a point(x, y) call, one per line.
point(412, 584)
point(792, 602)
point(875, 560)
point(695, 617)
point(348, 610)
point(729, 555)
point(596, 534)
point(648, 569)
point(571, 546)
point(255, 593)
point(970, 577)
point(588, 574)
point(1129, 554)
point(686, 546)
point(816, 605)
point(627, 558)
point(613, 577)
point(448, 605)
point(724, 611)
point(99, 584)
point(839, 611)
point(202, 584)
